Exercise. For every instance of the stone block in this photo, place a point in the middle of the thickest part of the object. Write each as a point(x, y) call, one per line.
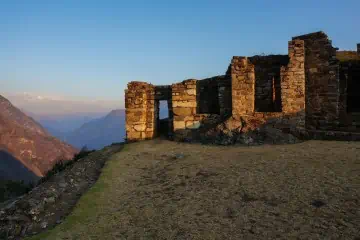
point(179, 125)
point(193, 124)
point(189, 118)
point(140, 127)
point(184, 104)
point(191, 92)
point(182, 111)
point(132, 135)
point(184, 97)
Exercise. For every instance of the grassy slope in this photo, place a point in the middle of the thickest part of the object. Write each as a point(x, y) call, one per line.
point(221, 193)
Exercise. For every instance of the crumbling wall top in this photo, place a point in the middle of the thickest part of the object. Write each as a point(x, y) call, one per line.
point(188, 81)
point(138, 85)
point(314, 35)
point(269, 60)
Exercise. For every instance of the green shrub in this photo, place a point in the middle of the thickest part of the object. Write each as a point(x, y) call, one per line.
point(10, 189)
point(61, 165)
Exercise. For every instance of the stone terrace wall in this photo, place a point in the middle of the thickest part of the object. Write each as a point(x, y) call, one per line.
point(141, 111)
point(322, 82)
point(267, 82)
point(243, 86)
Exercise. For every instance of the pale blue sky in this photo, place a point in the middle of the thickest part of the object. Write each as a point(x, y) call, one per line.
point(93, 48)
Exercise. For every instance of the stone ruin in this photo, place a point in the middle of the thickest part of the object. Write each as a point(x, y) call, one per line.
point(313, 92)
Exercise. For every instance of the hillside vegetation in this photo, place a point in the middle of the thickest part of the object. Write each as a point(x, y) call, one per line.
point(165, 190)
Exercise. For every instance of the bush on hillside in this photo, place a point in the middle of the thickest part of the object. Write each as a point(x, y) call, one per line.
point(11, 189)
point(61, 165)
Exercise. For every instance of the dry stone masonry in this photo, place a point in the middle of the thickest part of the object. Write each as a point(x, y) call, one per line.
point(243, 86)
point(140, 111)
point(312, 92)
point(184, 105)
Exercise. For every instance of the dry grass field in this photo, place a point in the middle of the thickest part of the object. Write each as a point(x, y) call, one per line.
point(166, 190)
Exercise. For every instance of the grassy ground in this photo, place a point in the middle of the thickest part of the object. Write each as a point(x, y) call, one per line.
point(166, 190)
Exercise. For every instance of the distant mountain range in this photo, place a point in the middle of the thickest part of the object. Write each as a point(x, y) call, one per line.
point(27, 150)
point(95, 133)
point(61, 124)
point(30, 144)
point(99, 133)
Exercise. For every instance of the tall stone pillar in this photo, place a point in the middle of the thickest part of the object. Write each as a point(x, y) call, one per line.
point(184, 104)
point(322, 82)
point(141, 111)
point(293, 82)
point(293, 79)
point(243, 86)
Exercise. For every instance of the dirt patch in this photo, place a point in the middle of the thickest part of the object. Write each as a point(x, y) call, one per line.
point(47, 204)
point(167, 190)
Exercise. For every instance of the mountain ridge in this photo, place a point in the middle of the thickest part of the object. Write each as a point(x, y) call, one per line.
point(29, 142)
point(98, 133)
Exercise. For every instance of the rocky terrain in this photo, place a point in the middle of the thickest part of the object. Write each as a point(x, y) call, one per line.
point(168, 190)
point(47, 204)
point(28, 142)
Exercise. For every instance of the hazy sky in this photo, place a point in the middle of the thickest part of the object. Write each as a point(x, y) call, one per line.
point(91, 49)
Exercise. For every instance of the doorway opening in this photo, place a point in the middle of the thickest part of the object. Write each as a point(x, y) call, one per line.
point(353, 94)
point(164, 118)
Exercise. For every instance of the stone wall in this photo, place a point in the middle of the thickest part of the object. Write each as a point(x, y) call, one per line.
point(163, 92)
point(309, 91)
point(347, 55)
point(141, 111)
point(208, 96)
point(267, 82)
point(322, 82)
point(358, 48)
point(350, 95)
point(225, 98)
point(352, 69)
point(188, 122)
point(184, 101)
point(293, 82)
point(242, 73)
point(270, 89)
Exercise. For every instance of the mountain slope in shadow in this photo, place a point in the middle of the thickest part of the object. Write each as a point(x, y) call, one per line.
point(11, 168)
